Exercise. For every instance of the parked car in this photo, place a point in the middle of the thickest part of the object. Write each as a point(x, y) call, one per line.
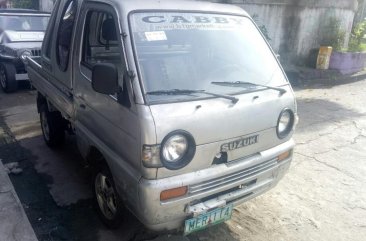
point(180, 107)
point(21, 35)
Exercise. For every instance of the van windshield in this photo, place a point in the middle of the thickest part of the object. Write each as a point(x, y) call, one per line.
point(195, 51)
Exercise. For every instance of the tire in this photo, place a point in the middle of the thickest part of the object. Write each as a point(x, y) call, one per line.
point(109, 206)
point(7, 78)
point(53, 127)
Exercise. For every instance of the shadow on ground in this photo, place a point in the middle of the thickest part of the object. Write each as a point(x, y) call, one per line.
point(49, 221)
point(322, 112)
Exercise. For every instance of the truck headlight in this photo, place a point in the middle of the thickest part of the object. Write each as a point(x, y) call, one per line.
point(177, 150)
point(285, 123)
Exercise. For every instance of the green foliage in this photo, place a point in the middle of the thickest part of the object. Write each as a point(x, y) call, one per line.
point(262, 27)
point(333, 34)
point(27, 4)
point(357, 37)
point(265, 32)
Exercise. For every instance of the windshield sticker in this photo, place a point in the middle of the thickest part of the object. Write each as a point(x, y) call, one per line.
point(192, 19)
point(155, 36)
point(174, 21)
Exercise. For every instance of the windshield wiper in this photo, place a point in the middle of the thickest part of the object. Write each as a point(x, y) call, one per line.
point(241, 83)
point(188, 92)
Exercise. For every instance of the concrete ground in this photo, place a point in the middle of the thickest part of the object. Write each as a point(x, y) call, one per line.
point(321, 198)
point(14, 224)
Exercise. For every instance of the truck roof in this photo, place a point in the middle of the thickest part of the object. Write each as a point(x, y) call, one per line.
point(127, 6)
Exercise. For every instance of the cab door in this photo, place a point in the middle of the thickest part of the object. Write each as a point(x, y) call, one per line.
point(108, 122)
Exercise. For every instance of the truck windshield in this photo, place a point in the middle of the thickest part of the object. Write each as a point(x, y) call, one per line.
point(193, 51)
point(23, 23)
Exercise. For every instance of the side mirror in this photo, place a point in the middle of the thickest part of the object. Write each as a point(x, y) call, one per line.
point(105, 79)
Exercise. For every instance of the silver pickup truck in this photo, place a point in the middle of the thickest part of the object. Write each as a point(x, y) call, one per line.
point(181, 107)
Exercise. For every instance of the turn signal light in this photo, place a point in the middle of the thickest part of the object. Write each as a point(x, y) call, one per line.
point(173, 193)
point(284, 156)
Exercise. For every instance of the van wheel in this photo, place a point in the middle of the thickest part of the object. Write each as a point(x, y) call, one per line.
point(53, 127)
point(109, 204)
point(7, 78)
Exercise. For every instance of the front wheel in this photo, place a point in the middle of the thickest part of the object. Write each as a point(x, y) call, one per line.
point(7, 78)
point(109, 205)
point(53, 127)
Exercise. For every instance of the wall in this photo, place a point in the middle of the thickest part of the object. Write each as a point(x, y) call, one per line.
point(295, 31)
point(361, 12)
point(46, 5)
point(296, 27)
point(347, 63)
point(3, 3)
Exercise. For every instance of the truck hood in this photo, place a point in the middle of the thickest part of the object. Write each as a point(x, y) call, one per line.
point(22, 36)
point(214, 123)
point(219, 119)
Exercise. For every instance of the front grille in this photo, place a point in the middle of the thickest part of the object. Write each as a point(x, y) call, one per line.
point(36, 52)
point(231, 190)
point(231, 178)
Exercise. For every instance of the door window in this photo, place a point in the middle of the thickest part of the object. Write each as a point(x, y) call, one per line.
point(100, 43)
point(64, 34)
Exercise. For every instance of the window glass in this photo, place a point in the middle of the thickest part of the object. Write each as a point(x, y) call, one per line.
point(48, 40)
point(100, 43)
point(197, 51)
point(64, 35)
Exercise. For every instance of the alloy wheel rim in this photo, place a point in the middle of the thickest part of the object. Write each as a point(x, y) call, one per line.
point(106, 196)
point(45, 127)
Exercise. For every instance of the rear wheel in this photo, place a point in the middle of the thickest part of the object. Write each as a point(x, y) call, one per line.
point(7, 77)
point(53, 127)
point(110, 207)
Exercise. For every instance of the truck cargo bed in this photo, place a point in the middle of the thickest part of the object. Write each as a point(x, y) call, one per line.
point(59, 96)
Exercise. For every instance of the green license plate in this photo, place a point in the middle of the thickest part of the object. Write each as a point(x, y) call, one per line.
point(213, 217)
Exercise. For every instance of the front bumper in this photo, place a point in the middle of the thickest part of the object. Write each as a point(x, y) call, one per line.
point(234, 182)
